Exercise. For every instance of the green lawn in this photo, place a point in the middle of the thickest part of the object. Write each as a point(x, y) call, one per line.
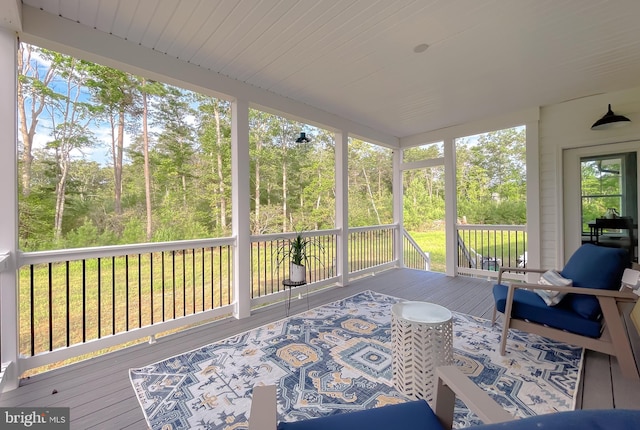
point(433, 242)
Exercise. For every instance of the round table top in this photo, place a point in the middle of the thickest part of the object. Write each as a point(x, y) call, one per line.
point(421, 312)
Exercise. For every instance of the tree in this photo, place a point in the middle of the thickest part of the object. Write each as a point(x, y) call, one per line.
point(33, 93)
point(214, 132)
point(491, 177)
point(70, 118)
point(370, 201)
point(148, 88)
point(118, 96)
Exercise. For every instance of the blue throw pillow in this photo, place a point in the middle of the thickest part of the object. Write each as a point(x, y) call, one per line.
point(594, 266)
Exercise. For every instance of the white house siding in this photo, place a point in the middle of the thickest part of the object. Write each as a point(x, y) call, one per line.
point(568, 125)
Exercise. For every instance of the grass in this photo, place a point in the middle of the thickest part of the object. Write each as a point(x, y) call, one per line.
point(501, 245)
point(433, 242)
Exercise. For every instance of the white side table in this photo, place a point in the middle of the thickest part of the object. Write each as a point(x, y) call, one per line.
point(422, 337)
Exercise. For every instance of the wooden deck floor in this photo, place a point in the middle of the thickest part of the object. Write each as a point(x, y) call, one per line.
point(101, 396)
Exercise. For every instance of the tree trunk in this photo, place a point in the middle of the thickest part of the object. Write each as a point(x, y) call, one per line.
point(61, 186)
point(257, 183)
point(37, 106)
point(221, 188)
point(147, 174)
point(373, 203)
point(117, 163)
point(284, 187)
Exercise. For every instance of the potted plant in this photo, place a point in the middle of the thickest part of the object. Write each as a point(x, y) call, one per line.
point(299, 251)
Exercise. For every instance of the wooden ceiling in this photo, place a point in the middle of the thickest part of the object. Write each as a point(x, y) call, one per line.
point(356, 59)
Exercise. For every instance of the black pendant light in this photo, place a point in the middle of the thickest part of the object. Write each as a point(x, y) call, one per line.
point(610, 120)
point(304, 139)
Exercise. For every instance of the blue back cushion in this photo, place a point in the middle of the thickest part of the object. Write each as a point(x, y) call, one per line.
point(414, 415)
point(594, 266)
point(593, 419)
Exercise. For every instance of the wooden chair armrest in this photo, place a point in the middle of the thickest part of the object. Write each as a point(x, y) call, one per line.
point(263, 408)
point(624, 295)
point(517, 269)
point(451, 382)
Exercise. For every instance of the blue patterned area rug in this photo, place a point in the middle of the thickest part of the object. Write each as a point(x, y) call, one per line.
point(337, 358)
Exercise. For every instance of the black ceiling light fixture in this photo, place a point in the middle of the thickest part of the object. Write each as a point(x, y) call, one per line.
point(303, 138)
point(610, 120)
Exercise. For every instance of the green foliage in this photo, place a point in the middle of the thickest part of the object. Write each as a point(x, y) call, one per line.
point(299, 250)
point(189, 150)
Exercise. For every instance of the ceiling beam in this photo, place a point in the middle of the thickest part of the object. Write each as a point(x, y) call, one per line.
point(11, 15)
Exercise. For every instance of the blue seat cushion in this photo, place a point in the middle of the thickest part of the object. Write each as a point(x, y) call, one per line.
point(414, 415)
point(528, 305)
point(593, 267)
point(582, 419)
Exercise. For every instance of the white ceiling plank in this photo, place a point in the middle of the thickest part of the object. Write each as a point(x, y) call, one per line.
point(106, 14)
point(141, 20)
point(355, 58)
point(122, 20)
point(181, 19)
point(202, 45)
point(162, 18)
point(87, 12)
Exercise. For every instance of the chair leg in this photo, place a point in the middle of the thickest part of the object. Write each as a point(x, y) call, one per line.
point(495, 314)
point(505, 335)
point(507, 320)
point(619, 337)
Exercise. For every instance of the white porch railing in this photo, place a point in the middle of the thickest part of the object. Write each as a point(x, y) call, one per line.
point(414, 257)
point(78, 301)
point(482, 249)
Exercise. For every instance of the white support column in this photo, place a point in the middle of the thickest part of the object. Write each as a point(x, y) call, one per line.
point(398, 217)
point(342, 205)
point(451, 206)
point(533, 197)
point(240, 168)
point(9, 351)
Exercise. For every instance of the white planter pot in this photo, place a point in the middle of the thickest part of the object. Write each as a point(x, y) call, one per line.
point(297, 273)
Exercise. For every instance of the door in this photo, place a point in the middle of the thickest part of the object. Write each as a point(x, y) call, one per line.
point(600, 182)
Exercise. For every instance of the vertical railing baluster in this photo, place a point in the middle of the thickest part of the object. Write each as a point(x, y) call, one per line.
point(32, 285)
point(495, 247)
point(184, 285)
point(151, 293)
point(84, 300)
point(126, 284)
point(213, 289)
point(139, 290)
point(173, 274)
point(99, 298)
point(229, 256)
point(193, 278)
point(268, 257)
point(68, 298)
point(113, 294)
point(162, 270)
point(50, 313)
point(203, 287)
point(255, 253)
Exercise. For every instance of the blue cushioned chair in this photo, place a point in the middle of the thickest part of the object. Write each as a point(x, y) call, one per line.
point(589, 316)
point(419, 416)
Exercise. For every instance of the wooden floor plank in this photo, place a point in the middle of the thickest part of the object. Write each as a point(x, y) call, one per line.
point(101, 396)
